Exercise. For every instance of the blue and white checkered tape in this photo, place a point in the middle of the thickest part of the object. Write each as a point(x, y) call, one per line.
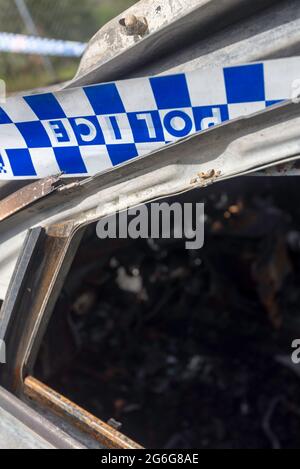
point(22, 44)
point(84, 131)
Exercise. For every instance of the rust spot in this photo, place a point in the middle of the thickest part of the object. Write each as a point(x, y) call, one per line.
point(134, 26)
point(212, 173)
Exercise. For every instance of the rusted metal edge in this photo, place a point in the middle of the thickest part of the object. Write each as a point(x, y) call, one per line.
point(27, 196)
point(86, 422)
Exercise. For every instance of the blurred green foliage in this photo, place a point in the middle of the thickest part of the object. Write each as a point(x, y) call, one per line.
point(62, 19)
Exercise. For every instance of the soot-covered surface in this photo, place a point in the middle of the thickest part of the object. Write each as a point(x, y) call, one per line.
point(189, 349)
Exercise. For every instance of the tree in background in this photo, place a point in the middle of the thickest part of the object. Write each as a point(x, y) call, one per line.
point(61, 19)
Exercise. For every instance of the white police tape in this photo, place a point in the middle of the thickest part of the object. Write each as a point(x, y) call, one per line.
point(22, 44)
point(88, 130)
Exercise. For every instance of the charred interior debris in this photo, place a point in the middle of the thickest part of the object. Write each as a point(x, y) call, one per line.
point(189, 349)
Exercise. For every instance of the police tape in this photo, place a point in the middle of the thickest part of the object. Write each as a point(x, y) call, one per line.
point(22, 44)
point(88, 130)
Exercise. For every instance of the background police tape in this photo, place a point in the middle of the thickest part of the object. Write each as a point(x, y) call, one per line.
point(22, 44)
point(88, 130)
